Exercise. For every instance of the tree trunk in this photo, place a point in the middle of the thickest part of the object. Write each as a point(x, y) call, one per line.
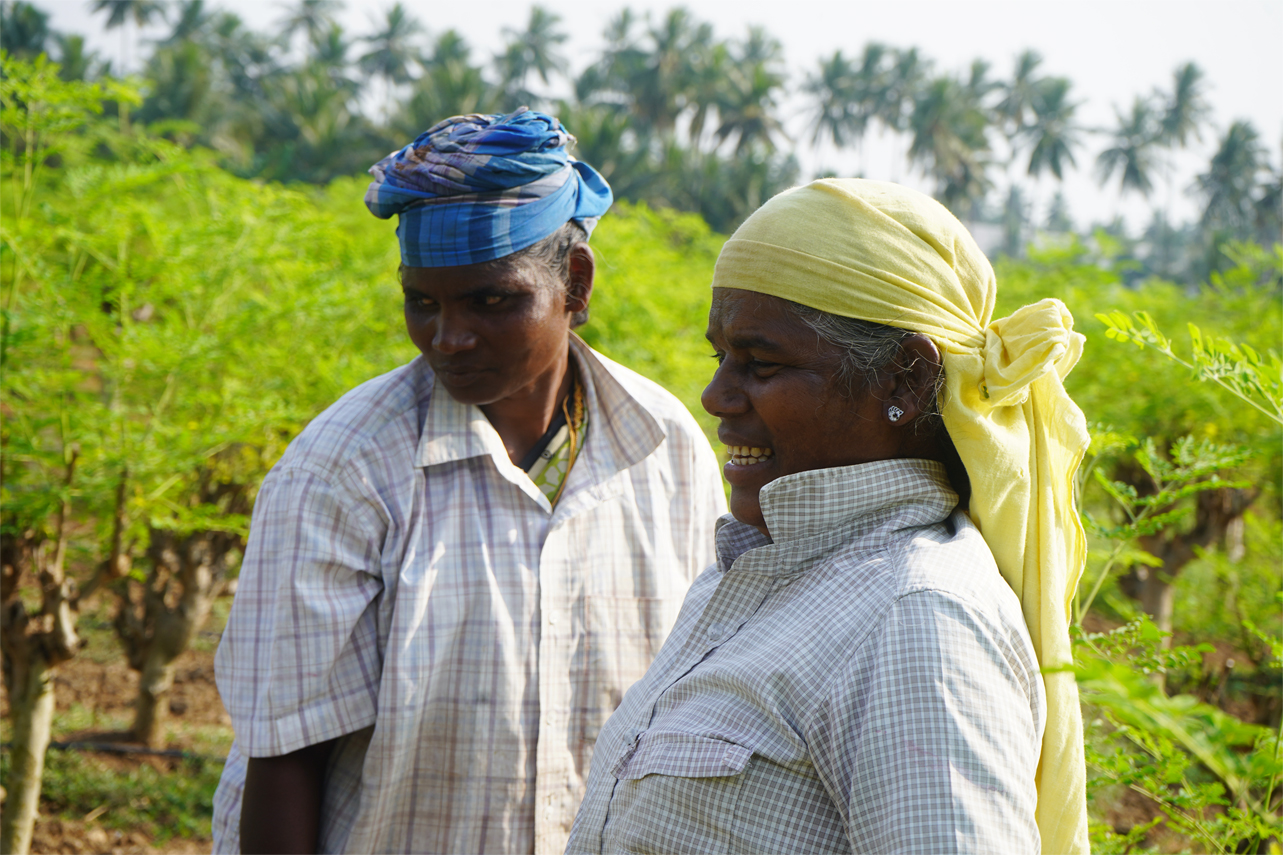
point(172, 635)
point(1217, 513)
point(149, 709)
point(186, 577)
point(1157, 597)
point(31, 710)
point(33, 645)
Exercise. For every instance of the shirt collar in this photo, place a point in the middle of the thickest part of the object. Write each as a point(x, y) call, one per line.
point(621, 432)
point(811, 514)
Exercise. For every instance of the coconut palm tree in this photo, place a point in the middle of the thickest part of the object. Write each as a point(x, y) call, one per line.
point(1230, 184)
point(1019, 95)
point(247, 60)
point(1132, 152)
point(392, 51)
point(1058, 219)
point(449, 86)
point(1051, 133)
point(603, 137)
point(657, 75)
point(1016, 104)
point(192, 19)
point(1184, 112)
point(746, 109)
point(534, 49)
point(24, 30)
point(663, 87)
point(904, 79)
point(950, 143)
point(746, 100)
point(831, 90)
point(314, 18)
point(979, 84)
point(121, 12)
point(74, 61)
point(1015, 222)
point(1186, 109)
point(329, 56)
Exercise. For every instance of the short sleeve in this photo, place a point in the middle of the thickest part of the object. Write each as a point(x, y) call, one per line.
point(928, 740)
point(299, 661)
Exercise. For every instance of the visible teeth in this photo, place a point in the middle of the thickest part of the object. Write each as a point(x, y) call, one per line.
point(744, 455)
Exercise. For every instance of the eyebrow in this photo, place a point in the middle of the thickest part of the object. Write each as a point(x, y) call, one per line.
point(481, 291)
point(749, 341)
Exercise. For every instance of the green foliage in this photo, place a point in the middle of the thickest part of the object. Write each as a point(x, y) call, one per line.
point(1255, 378)
point(169, 320)
point(163, 804)
point(651, 299)
point(1195, 467)
point(1219, 597)
point(1213, 776)
point(1165, 434)
point(1131, 391)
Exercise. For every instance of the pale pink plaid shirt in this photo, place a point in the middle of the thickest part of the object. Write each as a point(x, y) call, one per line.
point(409, 589)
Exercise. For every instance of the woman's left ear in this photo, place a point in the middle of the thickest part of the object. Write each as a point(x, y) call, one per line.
point(917, 372)
point(582, 269)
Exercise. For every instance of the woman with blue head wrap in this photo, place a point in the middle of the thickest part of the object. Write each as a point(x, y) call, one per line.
point(451, 579)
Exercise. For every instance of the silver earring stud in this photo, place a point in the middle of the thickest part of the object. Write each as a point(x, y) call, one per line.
point(894, 413)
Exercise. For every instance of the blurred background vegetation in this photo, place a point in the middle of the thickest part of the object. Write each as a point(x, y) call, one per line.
point(188, 275)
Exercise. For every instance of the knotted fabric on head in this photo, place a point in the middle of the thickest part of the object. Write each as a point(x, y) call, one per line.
point(476, 188)
point(883, 253)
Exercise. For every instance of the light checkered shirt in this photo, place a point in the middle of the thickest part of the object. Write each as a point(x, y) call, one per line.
point(865, 683)
point(408, 588)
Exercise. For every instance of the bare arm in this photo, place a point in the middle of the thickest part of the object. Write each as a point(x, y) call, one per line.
point(281, 807)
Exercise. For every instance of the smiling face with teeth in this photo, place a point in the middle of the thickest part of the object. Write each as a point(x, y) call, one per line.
point(783, 405)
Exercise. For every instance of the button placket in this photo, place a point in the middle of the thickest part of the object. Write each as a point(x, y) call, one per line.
point(732, 604)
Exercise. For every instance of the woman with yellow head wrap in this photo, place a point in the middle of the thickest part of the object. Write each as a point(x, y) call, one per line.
point(861, 669)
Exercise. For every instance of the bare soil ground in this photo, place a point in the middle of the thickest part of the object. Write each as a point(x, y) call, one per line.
point(95, 692)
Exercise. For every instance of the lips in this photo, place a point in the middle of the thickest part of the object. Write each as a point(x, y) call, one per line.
point(749, 455)
point(459, 375)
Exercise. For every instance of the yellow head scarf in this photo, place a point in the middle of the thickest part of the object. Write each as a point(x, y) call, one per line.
point(883, 253)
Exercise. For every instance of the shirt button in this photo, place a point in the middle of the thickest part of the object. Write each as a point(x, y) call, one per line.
point(552, 620)
point(716, 632)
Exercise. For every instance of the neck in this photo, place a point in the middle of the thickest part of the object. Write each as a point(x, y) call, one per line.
point(522, 419)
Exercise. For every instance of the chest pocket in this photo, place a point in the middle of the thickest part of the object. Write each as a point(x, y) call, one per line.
point(716, 796)
point(682, 755)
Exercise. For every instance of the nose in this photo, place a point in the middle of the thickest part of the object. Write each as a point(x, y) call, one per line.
point(723, 395)
point(452, 333)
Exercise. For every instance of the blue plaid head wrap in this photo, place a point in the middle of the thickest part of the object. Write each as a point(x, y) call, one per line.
point(475, 188)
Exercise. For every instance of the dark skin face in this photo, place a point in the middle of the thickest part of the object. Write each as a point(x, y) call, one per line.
point(498, 336)
point(784, 409)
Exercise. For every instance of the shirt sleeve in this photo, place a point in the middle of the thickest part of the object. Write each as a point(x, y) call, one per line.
point(299, 661)
point(928, 740)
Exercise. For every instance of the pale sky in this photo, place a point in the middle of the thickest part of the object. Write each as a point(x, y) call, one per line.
point(1112, 50)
